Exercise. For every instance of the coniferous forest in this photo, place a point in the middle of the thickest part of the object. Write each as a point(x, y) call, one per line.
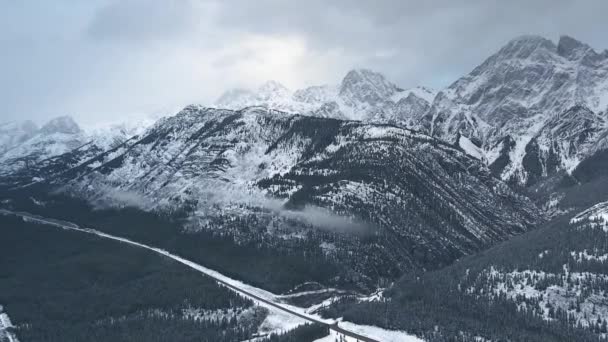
point(67, 286)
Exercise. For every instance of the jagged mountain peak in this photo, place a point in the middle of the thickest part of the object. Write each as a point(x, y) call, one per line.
point(571, 48)
point(524, 92)
point(361, 72)
point(363, 94)
point(530, 40)
point(366, 86)
point(525, 47)
point(369, 76)
point(62, 124)
point(270, 93)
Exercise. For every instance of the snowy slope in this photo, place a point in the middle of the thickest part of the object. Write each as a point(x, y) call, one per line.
point(596, 216)
point(518, 96)
point(59, 145)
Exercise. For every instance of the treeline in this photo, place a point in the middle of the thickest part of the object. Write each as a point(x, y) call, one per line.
point(61, 285)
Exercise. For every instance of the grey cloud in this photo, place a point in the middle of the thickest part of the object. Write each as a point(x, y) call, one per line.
point(103, 59)
point(435, 41)
point(137, 21)
point(324, 219)
point(109, 197)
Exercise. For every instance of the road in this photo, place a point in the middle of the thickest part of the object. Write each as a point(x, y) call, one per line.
point(221, 279)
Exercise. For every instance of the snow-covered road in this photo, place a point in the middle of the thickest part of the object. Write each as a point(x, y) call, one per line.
point(261, 297)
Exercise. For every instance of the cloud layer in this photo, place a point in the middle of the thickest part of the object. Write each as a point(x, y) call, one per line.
point(102, 60)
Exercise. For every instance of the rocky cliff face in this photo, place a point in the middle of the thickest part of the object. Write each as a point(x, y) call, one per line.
point(509, 103)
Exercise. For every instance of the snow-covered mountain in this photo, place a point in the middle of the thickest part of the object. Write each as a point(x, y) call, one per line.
point(513, 105)
point(362, 95)
point(32, 153)
point(418, 202)
point(58, 136)
point(503, 111)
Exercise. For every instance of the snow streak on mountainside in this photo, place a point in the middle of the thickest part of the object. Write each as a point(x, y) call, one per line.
point(362, 95)
point(524, 106)
point(595, 217)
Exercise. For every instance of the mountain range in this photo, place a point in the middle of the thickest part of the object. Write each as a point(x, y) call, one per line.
point(532, 112)
point(352, 186)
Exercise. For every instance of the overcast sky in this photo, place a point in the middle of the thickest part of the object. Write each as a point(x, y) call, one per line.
point(104, 60)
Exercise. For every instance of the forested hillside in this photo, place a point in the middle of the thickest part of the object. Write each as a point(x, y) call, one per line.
point(550, 284)
point(66, 286)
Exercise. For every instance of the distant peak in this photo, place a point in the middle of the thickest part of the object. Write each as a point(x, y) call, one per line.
point(272, 86)
point(62, 124)
point(364, 76)
point(362, 73)
point(364, 85)
point(571, 48)
point(531, 40)
point(523, 47)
